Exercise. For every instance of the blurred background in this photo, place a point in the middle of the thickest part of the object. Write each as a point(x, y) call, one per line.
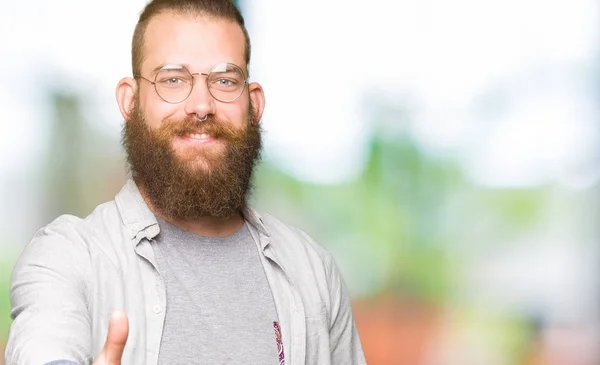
point(446, 152)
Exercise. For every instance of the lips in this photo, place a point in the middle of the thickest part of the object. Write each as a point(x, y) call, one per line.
point(199, 136)
point(209, 131)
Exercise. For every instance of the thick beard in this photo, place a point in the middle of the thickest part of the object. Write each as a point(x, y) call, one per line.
point(176, 189)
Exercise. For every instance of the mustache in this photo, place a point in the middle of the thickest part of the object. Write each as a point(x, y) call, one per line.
point(212, 125)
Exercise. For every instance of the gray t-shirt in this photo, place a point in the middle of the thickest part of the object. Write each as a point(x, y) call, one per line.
point(220, 309)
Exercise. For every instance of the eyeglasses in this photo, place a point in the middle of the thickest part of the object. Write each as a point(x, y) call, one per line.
point(174, 83)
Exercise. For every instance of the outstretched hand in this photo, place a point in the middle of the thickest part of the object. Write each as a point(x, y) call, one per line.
point(118, 330)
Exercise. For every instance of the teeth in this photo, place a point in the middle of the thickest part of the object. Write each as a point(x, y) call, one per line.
point(199, 135)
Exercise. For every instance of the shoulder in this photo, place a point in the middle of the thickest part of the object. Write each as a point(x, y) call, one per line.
point(64, 245)
point(289, 241)
point(75, 229)
point(69, 237)
point(307, 264)
point(292, 235)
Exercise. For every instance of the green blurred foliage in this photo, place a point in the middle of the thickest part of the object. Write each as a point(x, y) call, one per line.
point(7, 260)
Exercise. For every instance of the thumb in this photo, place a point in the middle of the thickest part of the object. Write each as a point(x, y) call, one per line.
point(118, 330)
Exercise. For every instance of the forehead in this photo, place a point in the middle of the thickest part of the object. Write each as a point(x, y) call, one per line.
point(199, 42)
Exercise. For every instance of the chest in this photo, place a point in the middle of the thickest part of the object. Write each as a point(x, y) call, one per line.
point(219, 306)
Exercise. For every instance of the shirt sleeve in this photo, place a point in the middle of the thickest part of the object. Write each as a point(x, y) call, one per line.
point(343, 335)
point(49, 296)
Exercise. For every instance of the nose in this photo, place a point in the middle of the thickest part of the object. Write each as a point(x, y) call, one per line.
point(200, 101)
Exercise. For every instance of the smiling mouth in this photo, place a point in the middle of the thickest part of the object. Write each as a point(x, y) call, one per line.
point(198, 136)
point(197, 139)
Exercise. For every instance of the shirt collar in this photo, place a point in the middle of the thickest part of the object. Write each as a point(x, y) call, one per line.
point(135, 213)
point(141, 223)
point(255, 219)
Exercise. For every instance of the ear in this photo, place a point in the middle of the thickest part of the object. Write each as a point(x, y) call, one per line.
point(125, 93)
point(257, 98)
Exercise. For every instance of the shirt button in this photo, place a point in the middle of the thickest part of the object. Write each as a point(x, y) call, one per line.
point(156, 309)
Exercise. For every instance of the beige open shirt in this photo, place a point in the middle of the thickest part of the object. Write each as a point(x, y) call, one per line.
point(75, 272)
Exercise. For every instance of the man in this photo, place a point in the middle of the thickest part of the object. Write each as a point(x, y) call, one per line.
point(190, 273)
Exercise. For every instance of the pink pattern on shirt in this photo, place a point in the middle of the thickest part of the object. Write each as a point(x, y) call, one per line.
point(279, 343)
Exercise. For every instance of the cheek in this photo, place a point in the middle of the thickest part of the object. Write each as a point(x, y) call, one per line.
point(156, 110)
point(237, 114)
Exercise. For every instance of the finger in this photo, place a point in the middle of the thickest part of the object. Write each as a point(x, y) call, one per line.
point(118, 330)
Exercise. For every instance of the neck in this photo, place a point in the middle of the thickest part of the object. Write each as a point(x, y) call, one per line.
point(205, 226)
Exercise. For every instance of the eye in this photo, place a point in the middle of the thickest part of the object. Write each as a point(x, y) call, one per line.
point(172, 81)
point(225, 82)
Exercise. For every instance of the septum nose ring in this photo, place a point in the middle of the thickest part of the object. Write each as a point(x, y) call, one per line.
point(202, 119)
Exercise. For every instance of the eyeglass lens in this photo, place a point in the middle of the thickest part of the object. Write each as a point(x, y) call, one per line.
point(225, 83)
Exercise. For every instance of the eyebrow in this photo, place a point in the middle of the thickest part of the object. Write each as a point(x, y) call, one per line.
point(169, 66)
point(178, 66)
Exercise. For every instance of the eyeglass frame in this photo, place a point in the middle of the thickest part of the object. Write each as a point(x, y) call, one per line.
point(194, 82)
